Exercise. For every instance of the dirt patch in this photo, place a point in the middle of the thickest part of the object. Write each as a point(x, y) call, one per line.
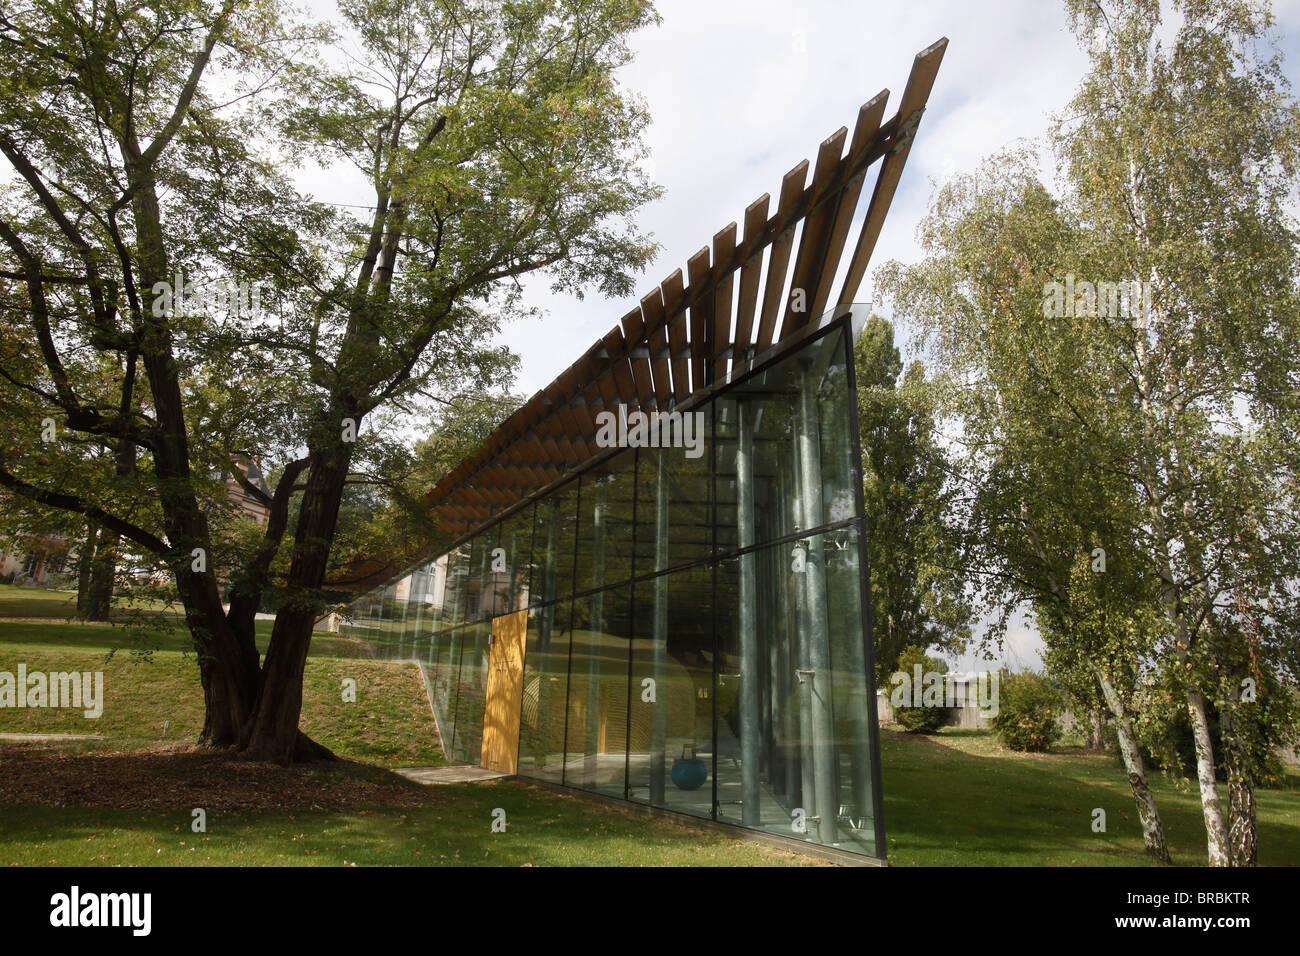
point(185, 776)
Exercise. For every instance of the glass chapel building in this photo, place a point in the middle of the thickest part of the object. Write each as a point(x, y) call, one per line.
point(680, 617)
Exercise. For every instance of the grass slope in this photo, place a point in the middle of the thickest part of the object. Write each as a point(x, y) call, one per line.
point(389, 724)
point(960, 799)
point(45, 618)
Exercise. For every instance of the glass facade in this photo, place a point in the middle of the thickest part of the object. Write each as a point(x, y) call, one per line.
point(697, 633)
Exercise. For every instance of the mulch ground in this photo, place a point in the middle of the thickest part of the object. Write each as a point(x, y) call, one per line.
point(184, 776)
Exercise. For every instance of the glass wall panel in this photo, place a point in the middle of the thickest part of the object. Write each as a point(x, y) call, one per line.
point(671, 711)
point(836, 437)
point(456, 648)
point(457, 573)
point(367, 613)
point(759, 693)
point(605, 523)
point(471, 693)
point(731, 414)
point(851, 691)
point(794, 411)
point(553, 544)
point(566, 521)
point(793, 718)
point(438, 592)
point(442, 679)
point(598, 692)
point(388, 627)
point(478, 582)
point(419, 611)
point(545, 693)
point(408, 595)
point(674, 488)
point(512, 565)
point(704, 668)
point(427, 627)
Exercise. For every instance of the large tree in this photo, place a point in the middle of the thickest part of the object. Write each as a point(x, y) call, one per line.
point(149, 145)
point(918, 590)
point(1184, 160)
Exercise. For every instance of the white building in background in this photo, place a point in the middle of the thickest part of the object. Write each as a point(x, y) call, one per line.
point(35, 564)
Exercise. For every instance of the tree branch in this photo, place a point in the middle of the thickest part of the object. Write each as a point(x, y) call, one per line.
point(65, 502)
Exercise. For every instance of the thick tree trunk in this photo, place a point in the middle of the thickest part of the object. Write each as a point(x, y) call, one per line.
point(273, 733)
point(228, 659)
point(1096, 730)
point(1243, 838)
point(222, 717)
point(85, 558)
point(1153, 831)
point(103, 577)
point(273, 728)
point(228, 665)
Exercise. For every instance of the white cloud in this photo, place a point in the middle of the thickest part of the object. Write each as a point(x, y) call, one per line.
point(742, 91)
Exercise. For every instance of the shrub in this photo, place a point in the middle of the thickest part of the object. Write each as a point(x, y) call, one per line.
point(917, 718)
point(1027, 709)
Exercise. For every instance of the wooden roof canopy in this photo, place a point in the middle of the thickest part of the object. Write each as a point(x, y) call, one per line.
point(680, 339)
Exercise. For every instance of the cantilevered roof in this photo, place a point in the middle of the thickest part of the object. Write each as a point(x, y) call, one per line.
point(720, 317)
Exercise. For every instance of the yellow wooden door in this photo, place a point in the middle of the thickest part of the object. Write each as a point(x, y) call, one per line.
point(505, 689)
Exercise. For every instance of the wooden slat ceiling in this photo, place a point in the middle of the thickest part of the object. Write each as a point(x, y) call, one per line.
point(684, 336)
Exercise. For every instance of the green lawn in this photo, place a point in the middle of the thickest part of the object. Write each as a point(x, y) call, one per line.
point(542, 828)
point(389, 724)
point(38, 617)
point(956, 798)
point(953, 800)
point(17, 601)
point(960, 799)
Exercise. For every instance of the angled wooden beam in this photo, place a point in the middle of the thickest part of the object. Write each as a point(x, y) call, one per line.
point(701, 323)
point(864, 133)
point(751, 272)
point(682, 336)
point(815, 237)
point(915, 95)
point(724, 245)
point(778, 260)
point(656, 340)
point(673, 294)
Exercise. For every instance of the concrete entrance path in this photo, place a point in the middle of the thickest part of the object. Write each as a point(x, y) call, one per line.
point(439, 775)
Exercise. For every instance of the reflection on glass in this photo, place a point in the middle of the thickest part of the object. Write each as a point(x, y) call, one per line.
point(511, 567)
point(695, 633)
point(674, 496)
point(546, 672)
point(605, 524)
point(598, 693)
point(670, 762)
point(467, 735)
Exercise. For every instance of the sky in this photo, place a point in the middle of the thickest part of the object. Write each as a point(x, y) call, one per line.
point(742, 90)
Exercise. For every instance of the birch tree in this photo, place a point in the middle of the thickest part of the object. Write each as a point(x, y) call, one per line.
point(1182, 162)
